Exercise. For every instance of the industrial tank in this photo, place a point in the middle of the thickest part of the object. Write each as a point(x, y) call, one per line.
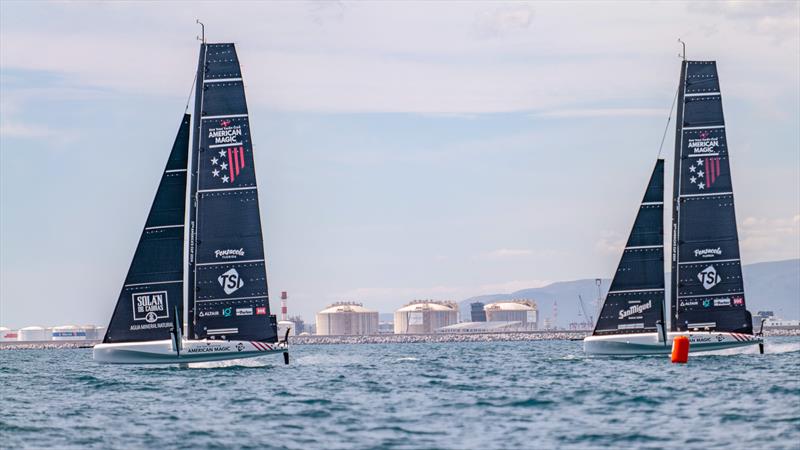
point(524, 311)
point(7, 334)
point(284, 325)
point(33, 333)
point(68, 333)
point(347, 318)
point(425, 316)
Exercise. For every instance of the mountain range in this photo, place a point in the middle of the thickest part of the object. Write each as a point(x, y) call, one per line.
point(772, 286)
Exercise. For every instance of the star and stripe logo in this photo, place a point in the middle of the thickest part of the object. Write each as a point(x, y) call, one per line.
point(227, 163)
point(704, 172)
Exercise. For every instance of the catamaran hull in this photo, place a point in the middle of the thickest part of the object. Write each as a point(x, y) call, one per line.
point(648, 344)
point(163, 352)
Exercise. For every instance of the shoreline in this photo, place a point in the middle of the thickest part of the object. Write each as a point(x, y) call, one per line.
point(386, 339)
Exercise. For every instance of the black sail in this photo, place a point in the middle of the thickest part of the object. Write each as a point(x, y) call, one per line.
point(228, 297)
point(707, 287)
point(635, 300)
point(154, 285)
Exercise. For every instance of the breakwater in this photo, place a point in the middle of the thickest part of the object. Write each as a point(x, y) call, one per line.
point(387, 339)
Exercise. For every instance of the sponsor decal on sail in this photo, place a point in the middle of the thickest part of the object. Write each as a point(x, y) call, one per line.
point(230, 281)
point(738, 301)
point(685, 303)
point(704, 172)
point(708, 252)
point(635, 309)
point(726, 301)
point(226, 312)
point(261, 310)
point(704, 144)
point(230, 253)
point(225, 133)
point(244, 311)
point(150, 306)
point(709, 277)
point(212, 313)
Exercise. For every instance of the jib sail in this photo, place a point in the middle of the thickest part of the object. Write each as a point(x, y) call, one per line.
point(154, 285)
point(635, 300)
point(228, 296)
point(707, 287)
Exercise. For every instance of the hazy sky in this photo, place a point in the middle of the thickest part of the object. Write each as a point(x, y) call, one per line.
point(404, 150)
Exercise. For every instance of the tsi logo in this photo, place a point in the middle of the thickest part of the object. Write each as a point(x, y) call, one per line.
point(230, 281)
point(709, 277)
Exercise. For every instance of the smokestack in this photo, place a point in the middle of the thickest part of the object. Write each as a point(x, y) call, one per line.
point(284, 312)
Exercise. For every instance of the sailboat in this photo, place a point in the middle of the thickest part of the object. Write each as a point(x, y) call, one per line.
point(707, 301)
point(225, 311)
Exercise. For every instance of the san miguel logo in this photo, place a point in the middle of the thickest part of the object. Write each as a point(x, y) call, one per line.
point(228, 161)
point(704, 172)
point(709, 277)
point(635, 309)
point(150, 306)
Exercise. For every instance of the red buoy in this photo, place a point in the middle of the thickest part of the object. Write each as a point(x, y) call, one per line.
point(680, 349)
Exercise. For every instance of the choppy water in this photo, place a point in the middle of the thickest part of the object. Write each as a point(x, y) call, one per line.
point(456, 395)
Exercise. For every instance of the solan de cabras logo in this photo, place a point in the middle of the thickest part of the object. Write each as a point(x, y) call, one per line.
point(150, 306)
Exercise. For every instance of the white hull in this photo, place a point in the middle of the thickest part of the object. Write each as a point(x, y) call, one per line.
point(648, 344)
point(163, 352)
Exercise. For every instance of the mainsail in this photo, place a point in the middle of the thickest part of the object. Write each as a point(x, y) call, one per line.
point(707, 287)
point(227, 284)
point(154, 285)
point(635, 300)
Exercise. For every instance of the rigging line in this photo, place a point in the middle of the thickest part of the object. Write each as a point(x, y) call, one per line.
point(190, 93)
point(669, 118)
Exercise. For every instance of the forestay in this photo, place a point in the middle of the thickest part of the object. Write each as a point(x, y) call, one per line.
point(227, 291)
point(707, 288)
point(635, 300)
point(154, 285)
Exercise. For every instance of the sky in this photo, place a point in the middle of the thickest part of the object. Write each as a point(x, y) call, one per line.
point(404, 149)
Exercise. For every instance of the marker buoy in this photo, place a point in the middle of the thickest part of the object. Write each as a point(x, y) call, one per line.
point(680, 349)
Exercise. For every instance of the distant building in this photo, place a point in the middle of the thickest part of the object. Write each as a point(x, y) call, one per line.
point(347, 318)
point(299, 324)
point(425, 316)
point(484, 327)
point(477, 313)
point(524, 311)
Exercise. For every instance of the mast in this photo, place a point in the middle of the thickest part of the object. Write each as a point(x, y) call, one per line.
point(635, 299)
point(707, 286)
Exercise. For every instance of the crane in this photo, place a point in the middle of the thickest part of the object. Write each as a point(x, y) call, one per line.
point(589, 318)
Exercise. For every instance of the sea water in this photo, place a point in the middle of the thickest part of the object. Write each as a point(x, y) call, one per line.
point(531, 395)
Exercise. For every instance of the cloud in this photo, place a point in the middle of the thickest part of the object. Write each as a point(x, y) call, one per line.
point(767, 239)
point(512, 286)
point(502, 21)
point(509, 253)
point(612, 245)
point(602, 112)
point(18, 130)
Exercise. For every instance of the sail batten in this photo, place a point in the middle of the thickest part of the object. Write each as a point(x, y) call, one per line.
point(707, 286)
point(635, 300)
point(228, 295)
point(154, 283)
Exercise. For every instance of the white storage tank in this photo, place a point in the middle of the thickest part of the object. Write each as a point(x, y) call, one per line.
point(346, 318)
point(283, 325)
point(7, 334)
point(425, 316)
point(524, 311)
point(68, 333)
point(32, 333)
